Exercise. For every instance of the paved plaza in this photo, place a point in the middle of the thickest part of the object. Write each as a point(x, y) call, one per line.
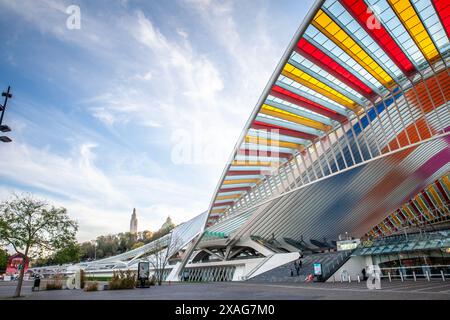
point(435, 290)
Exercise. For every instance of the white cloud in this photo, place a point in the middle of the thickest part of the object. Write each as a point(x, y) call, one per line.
point(200, 78)
point(152, 80)
point(100, 201)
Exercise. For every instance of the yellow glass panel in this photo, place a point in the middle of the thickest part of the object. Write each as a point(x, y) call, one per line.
point(446, 181)
point(402, 5)
point(282, 114)
point(422, 37)
point(271, 142)
point(217, 210)
point(234, 196)
point(301, 77)
point(396, 220)
point(383, 227)
point(346, 43)
point(341, 36)
point(408, 212)
point(435, 196)
point(240, 181)
point(411, 21)
point(408, 13)
point(324, 19)
point(420, 201)
point(254, 163)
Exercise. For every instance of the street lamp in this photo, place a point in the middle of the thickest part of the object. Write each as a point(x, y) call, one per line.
point(5, 128)
point(95, 249)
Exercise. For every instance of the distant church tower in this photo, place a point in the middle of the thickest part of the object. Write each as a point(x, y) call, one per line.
point(133, 222)
point(168, 224)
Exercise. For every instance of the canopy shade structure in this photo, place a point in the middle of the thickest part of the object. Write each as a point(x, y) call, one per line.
point(360, 80)
point(352, 202)
point(431, 204)
point(181, 235)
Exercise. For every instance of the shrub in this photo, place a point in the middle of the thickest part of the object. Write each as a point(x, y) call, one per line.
point(56, 283)
point(152, 281)
point(91, 286)
point(53, 285)
point(122, 280)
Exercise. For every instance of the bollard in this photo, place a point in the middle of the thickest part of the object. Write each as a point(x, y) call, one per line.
point(442, 275)
point(428, 276)
point(359, 280)
point(401, 276)
point(389, 275)
point(414, 276)
point(349, 279)
point(341, 278)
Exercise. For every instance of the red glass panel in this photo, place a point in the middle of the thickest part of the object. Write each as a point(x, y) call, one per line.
point(306, 103)
point(317, 56)
point(359, 10)
point(284, 131)
point(442, 8)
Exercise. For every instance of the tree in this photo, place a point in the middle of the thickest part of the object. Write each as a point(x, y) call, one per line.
point(163, 249)
point(71, 253)
point(107, 246)
point(126, 241)
point(146, 236)
point(87, 250)
point(31, 226)
point(41, 261)
point(137, 245)
point(3, 260)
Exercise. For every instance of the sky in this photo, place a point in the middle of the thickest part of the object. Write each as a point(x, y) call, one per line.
point(137, 106)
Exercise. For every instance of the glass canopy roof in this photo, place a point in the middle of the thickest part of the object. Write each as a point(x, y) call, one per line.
point(347, 56)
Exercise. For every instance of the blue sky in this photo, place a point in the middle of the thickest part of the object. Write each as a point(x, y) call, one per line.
point(141, 107)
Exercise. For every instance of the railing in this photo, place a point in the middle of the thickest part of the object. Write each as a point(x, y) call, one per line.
point(263, 261)
point(416, 272)
point(330, 269)
point(406, 238)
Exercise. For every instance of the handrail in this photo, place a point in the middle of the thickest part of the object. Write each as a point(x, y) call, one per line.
point(336, 264)
point(417, 267)
point(414, 272)
point(258, 266)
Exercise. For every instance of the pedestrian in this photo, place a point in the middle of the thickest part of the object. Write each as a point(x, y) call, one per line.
point(309, 278)
point(364, 273)
point(292, 272)
point(300, 263)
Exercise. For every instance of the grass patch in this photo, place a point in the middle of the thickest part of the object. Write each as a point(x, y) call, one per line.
point(98, 278)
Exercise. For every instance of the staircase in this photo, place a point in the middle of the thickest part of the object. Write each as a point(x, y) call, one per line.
point(331, 262)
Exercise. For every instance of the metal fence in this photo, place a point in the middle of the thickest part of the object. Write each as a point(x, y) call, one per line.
point(416, 272)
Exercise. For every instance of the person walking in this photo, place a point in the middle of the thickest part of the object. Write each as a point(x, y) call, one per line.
point(363, 271)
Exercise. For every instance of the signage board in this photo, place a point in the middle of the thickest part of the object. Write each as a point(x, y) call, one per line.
point(347, 244)
point(317, 269)
point(143, 270)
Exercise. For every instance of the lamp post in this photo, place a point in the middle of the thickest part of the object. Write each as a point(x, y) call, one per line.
point(5, 128)
point(95, 249)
